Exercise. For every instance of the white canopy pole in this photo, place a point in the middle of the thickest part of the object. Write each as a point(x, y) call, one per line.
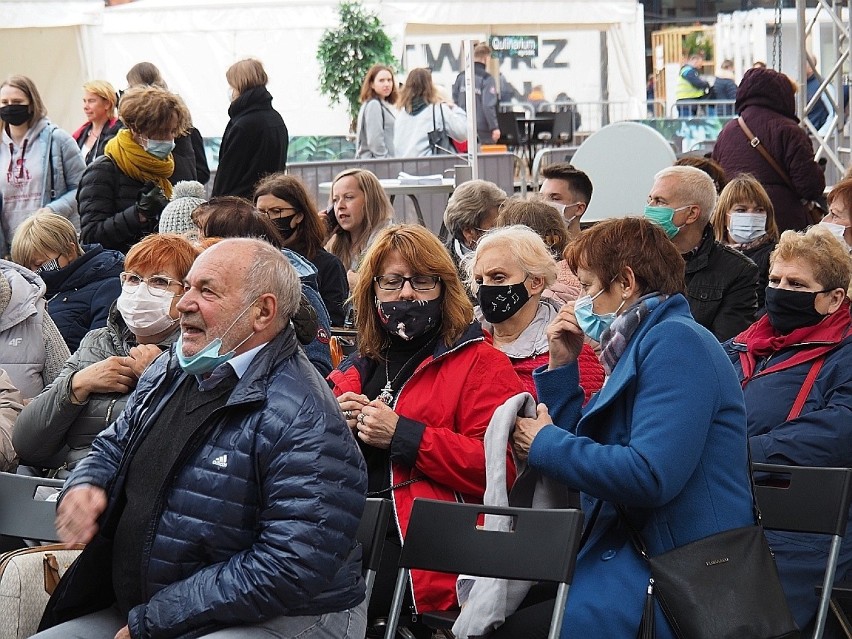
point(470, 109)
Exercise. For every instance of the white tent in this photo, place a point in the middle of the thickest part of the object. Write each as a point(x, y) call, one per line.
point(58, 45)
point(194, 42)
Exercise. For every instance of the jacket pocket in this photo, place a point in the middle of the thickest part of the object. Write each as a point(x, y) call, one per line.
point(704, 301)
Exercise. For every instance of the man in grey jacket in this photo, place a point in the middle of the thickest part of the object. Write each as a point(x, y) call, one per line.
point(487, 99)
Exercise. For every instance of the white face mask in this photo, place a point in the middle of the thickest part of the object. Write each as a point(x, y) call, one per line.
point(746, 227)
point(837, 230)
point(146, 314)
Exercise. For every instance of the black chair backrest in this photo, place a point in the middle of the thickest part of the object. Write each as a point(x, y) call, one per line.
point(23, 516)
point(563, 124)
point(372, 530)
point(803, 498)
point(509, 130)
point(444, 536)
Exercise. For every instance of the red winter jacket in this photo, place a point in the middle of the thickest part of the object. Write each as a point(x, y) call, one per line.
point(450, 397)
point(766, 104)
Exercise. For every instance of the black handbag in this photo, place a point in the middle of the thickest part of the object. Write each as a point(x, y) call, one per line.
point(439, 139)
point(724, 586)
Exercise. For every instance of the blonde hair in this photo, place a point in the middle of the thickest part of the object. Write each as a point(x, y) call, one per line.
point(377, 211)
point(42, 234)
point(424, 252)
point(246, 74)
point(103, 90)
point(519, 243)
point(829, 259)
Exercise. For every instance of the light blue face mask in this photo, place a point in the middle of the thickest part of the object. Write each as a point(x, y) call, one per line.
point(591, 323)
point(160, 148)
point(208, 358)
point(663, 216)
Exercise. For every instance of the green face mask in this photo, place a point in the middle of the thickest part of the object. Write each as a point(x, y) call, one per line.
point(663, 216)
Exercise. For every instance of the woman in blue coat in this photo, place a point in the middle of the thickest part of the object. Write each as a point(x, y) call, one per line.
point(665, 437)
point(807, 328)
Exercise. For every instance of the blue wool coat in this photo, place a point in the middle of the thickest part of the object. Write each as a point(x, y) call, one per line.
point(80, 295)
point(820, 436)
point(666, 438)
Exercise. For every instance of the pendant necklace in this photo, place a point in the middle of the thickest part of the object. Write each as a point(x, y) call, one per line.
point(387, 393)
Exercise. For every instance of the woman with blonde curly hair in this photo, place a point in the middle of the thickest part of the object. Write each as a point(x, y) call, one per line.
point(361, 208)
point(420, 392)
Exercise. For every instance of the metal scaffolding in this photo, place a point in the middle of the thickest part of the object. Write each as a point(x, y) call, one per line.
point(835, 145)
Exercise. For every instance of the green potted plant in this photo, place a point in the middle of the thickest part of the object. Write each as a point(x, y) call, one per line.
point(348, 51)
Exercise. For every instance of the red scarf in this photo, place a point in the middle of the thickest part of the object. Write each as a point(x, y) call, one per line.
point(761, 340)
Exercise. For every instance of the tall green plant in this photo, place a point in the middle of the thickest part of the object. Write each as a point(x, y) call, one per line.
point(347, 52)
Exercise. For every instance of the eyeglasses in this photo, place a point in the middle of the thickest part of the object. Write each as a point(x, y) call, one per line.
point(396, 282)
point(157, 285)
point(278, 211)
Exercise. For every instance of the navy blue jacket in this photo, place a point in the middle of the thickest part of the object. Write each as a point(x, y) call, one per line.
point(79, 295)
point(269, 531)
point(820, 436)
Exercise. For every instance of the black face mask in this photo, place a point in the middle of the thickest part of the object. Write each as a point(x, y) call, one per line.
point(789, 310)
point(409, 319)
point(15, 114)
point(499, 303)
point(283, 226)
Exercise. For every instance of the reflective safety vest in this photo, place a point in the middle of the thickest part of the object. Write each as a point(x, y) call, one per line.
point(685, 90)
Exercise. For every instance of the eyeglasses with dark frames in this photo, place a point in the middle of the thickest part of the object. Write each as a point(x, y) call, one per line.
point(396, 282)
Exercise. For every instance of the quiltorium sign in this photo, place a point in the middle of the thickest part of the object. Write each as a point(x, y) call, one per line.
point(514, 46)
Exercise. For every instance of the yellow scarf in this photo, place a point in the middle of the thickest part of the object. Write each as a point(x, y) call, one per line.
point(137, 163)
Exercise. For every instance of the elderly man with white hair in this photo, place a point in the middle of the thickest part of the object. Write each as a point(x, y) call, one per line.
point(224, 501)
point(721, 283)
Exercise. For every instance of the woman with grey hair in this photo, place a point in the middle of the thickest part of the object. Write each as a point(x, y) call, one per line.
point(508, 272)
point(471, 211)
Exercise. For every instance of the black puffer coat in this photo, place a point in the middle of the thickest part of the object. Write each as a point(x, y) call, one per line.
point(106, 200)
point(766, 104)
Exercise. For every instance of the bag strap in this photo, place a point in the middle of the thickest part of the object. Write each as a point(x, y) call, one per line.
point(52, 189)
point(755, 143)
point(805, 390)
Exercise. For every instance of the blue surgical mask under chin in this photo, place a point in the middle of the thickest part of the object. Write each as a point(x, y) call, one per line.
point(591, 323)
point(208, 358)
point(160, 148)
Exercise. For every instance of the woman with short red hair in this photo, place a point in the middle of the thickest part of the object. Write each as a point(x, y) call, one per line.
point(56, 429)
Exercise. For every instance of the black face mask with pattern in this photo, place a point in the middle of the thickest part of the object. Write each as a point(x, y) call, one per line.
point(500, 302)
point(409, 319)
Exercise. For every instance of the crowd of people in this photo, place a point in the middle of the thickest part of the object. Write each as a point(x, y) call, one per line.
point(169, 357)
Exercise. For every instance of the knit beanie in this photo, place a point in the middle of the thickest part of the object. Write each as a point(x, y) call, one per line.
point(186, 197)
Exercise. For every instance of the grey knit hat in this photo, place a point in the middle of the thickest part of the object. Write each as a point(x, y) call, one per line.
point(186, 197)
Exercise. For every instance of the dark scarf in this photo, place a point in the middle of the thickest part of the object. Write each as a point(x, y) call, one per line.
point(417, 105)
point(754, 244)
point(615, 339)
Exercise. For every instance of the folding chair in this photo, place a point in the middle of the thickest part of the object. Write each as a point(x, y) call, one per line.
point(445, 537)
point(371, 535)
point(20, 514)
point(810, 500)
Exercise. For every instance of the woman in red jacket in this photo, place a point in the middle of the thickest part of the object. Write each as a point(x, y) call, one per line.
point(510, 270)
point(419, 393)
